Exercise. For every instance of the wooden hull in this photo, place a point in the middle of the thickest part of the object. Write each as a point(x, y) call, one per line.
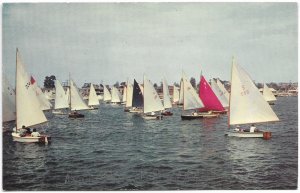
point(76, 116)
point(167, 113)
point(29, 139)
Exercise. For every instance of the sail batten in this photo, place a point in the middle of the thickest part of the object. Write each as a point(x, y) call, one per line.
point(247, 104)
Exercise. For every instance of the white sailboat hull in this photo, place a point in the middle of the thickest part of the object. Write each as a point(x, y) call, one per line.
point(29, 139)
point(58, 112)
point(138, 111)
point(152, 117)
point(259, 134)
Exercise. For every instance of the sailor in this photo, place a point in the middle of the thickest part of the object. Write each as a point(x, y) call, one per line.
point(23, 131)
point(152, 113)
point(28, 131)
point(35, 133)
point(252, 128)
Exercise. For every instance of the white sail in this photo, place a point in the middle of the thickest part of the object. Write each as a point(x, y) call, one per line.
point(28, 108)
point(61, 96)
point(268, 95)
point(167, 100)
point(77, 102)
point(115, 95)
point(43, 99)
point(124, 94)
point(219, 93)
point(223, 89)
point(106, 95)
point(8, 101)
point(247, 104)
point(93, 98)
point(129, 94)
point(181, 92)
point(190, 98)
point(142, 88)
point(152, 101)
point(175, 94)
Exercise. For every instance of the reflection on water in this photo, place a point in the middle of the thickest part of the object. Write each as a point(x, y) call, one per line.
point(113, 150)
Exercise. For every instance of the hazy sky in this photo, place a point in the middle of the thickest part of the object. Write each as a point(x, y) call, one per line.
point(109, 42)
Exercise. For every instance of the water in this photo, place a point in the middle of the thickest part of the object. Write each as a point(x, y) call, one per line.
point(114, 150)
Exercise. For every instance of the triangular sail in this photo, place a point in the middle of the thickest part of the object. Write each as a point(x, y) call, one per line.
point(129, 94)
point(181, 92)
point(28, 108)
point(152, 101)
point(190, 98)
point(219, 93)
point(247, 104)
point(142, 88)
point(61, 96)
point(93, 98)
point(208, 97)
point(124, 98)
point(137, 100)
point(167, 100)
point(115, 95)
point(268, 95)
point(223, 89)
point(175, 94)
point(106, 95)
point(8, 101)
point(77, 102)
point(44, 102)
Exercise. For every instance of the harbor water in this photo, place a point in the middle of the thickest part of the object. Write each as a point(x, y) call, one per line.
point(113, 150)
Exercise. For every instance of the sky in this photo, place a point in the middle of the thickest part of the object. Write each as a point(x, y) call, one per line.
point(109, 42)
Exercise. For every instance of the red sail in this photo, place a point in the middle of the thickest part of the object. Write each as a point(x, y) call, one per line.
point(208, 97)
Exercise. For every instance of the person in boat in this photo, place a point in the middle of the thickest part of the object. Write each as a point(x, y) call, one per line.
point(152, 113)
point(28, 131)
point(35, 133)
point(252, 128)
point(238, 128)
point(195, 113)
point(23, 131)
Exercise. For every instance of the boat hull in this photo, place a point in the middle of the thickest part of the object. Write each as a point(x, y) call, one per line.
point(259, 134)
point(198, 116)
point(29, 139)
point(167, 113)
point(152, 117)
point(76, 116)
point(55, 112)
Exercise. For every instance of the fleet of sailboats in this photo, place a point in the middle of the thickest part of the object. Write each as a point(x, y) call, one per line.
point(246, 105)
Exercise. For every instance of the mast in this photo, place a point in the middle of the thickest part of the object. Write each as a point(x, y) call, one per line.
point(144, 93)
point(16, 89)
point(70, 90)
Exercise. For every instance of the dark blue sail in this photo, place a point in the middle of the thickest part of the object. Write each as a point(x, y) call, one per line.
point(137, 99)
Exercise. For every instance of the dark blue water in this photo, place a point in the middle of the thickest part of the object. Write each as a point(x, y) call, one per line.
point(113, 150)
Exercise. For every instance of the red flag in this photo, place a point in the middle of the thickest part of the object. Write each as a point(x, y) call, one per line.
point(32, 81)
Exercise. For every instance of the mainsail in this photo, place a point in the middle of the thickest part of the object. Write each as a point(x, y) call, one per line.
point(28, 108)
point(190, 98)
point(152, 101)
point(247, 104)
point(124, 98)
point(106, 95)
point(61, 97)
point(219, 93)
point(77, 102)
point(137, 100)
point(43, 99)
point(268, 95)
point(166, 95)
point(129, 94)
point(115, 95)
point(208, 97)
point(223, 89)
point(175, 94)
point(8, 101)
point(93, 98)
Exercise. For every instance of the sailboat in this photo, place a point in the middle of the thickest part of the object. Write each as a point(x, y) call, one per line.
point(152, 102)
point(106, 95)
point(137, 99)
point(61, 99)
point(167, 100)
point(175, 95)
point(191, 101)
point(268, 95)
point(44, 102)
point(209, 99)
point(247, 105)
point(76, 102)
point(129, 94)
point(28, 108)
point(180, 102)
point(219, 93)
point(93, 102)
point(115, 96)
point(8, 101)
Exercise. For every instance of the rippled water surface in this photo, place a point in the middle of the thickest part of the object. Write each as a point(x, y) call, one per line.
point(114, 150)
